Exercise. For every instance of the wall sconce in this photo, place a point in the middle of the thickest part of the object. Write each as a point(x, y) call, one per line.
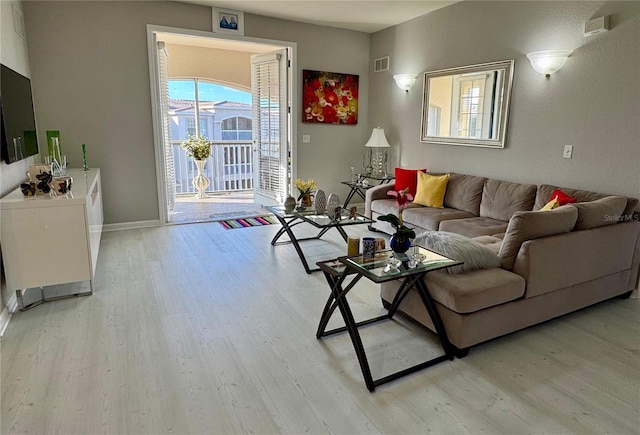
point(549, 61)
point(405, 81)
point(377, 153)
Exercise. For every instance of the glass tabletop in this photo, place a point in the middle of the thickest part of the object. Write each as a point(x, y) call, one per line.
point(359, 184)
point(279, 210)
point(376, 177)
point(383, 267)
point(320, 220)
point(334, 267)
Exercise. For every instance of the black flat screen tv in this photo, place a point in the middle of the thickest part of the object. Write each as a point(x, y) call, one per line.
point(18, 135)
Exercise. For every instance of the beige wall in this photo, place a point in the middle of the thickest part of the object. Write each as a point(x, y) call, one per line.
point(593, 103)
point(226, 66)
point(91, 81)
point(333, 148)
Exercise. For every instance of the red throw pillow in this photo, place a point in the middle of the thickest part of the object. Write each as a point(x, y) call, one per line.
point(407, 178)
point(563, 198)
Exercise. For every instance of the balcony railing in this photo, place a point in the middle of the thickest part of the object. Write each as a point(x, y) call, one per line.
point(229, 168)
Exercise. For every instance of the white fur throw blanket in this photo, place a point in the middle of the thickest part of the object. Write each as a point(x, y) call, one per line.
point(459, 247)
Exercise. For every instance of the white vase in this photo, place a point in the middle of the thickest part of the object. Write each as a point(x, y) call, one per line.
point(320, 201)
point(333, 201)
point(200, 182)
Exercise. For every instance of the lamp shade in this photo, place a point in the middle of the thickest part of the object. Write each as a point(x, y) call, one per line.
point(377, 139)
point(549, 61)
point(405, 81)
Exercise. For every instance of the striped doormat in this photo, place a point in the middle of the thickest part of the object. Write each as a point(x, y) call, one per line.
point(257, 221)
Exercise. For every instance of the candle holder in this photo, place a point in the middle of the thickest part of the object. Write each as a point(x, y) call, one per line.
point(57, 161)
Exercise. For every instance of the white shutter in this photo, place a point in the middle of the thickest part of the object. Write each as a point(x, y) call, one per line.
point(163, 84)
point(269, 88)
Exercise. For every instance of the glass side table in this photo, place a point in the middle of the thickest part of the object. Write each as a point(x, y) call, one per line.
point(361, 185)
point(407, 269)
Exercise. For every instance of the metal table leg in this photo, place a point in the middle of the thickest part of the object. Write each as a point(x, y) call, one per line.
point(286, 228)
point(354, 189)
point(338, 299)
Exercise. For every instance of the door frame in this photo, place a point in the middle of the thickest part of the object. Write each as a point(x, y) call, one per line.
point(158, 139)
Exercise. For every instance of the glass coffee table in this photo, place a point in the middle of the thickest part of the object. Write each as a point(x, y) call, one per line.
point(320, 221)
point(411, 269)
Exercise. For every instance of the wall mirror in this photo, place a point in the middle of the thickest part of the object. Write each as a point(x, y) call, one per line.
point(468, 105)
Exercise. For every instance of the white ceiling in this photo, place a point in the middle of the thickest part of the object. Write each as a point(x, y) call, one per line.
point(362, 15)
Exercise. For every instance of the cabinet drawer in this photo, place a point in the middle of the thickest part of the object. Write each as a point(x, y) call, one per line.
point(45, 246)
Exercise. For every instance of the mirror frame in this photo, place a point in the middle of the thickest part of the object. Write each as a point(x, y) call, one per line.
point(499, 142)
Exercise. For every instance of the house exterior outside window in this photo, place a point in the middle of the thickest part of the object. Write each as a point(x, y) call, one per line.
point(236, 128)
point(191, 126)
point(230, 167)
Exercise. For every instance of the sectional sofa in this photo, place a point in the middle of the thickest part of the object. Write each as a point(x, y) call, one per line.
point(550, 262)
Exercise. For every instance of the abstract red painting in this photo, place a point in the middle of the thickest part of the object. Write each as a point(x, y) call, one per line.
point(329, 98)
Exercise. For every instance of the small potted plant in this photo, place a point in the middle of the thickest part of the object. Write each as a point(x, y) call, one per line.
point(401, 240)
point(305, 188)
point(197, 147)
point(200, 149)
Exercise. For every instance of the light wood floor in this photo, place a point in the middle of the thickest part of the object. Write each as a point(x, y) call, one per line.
point(197, 329)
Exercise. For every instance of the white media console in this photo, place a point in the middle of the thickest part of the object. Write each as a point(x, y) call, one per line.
point(48, 241)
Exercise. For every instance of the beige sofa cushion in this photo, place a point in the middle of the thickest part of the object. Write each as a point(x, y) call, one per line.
point(381, 207)
point(545, 190)
point(598, 213)
point(529, 225)
point(474, 227)
point(429, 218)
point(501, 199)
point(492, 243)
point(476, 290)
point(388, 205)
point(464, 192)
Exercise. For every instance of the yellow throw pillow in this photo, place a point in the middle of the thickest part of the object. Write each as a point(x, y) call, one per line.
point(554, 203)
point(431, 189)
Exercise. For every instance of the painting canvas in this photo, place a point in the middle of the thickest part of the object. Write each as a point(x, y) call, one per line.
point(329, 98)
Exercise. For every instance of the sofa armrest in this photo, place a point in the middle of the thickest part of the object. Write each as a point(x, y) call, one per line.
point(376, 192)
point(556, 262)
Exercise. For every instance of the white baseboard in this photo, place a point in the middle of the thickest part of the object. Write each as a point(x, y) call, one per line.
point(131, 225)
point(7, 311)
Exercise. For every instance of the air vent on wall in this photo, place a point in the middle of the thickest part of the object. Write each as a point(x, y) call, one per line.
point(381, 64)
point(597, 25)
